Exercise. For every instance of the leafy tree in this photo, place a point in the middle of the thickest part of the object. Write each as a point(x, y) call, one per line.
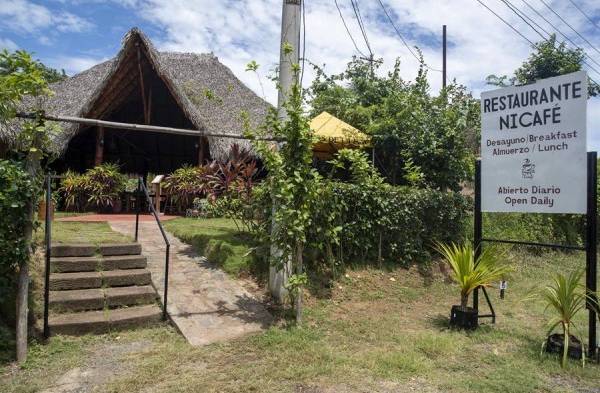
point(26, 78)
point(49, 74)
point(419, 139)
point(549, 58)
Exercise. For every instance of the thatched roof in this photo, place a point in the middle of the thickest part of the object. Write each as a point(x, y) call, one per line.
point(209, 94)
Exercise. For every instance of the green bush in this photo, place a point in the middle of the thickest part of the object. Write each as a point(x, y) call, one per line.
point(99, 187)
point(402, 223)
point(16, 188)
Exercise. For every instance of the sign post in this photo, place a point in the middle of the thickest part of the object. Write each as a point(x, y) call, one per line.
point(534, 159)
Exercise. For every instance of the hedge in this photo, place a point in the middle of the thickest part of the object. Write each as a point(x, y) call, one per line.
point(406, 221)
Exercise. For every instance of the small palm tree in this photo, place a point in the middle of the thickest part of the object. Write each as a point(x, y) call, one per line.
point(469, 273)
point(566, 297)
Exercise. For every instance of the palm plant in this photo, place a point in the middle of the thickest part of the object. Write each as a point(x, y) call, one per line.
point(467, 271)
point(566, 296)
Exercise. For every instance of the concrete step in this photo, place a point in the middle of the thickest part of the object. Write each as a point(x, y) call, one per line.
point(73, 250)
point(99, 299)
point(90, 264)
point(76, 300)
point(125, 262)
point(103, 321)
point(128, 296)
point(111, 278)
point(78, 280)
point(120, 249)
point(88, 250)
point(122, 278)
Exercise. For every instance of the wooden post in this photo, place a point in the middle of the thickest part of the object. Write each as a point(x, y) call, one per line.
point(99, 146)
point(201, 151)
point(157, 197)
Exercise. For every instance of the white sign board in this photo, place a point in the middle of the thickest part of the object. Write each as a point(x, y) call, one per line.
point(533, 147)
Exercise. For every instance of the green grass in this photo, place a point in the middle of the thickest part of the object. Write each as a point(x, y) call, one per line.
point(218, 239)
point(378, 331)
point(82, 232)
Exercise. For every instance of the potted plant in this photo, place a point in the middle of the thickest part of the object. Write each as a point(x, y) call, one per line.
point(566, 297)
point(103, 186)
point(470, 273)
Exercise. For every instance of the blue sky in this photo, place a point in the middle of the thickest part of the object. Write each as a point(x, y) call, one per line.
point(76, 34)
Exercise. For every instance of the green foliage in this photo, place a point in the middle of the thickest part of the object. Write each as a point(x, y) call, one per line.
point(419, 139)
point(550, 58)
point(565, 297)
point(469, 272)
point(533, 227)
point(185, 184)
point(16, 187)
point(99, 187)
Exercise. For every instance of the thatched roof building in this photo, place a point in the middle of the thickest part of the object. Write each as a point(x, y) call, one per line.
point(142, 85)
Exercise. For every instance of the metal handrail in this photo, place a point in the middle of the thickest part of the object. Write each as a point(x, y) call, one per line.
point(142, 189)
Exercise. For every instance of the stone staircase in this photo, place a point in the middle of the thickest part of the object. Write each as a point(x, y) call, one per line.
point(99, 289)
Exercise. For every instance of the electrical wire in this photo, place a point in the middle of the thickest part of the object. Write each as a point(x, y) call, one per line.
point(563, 35)
point(519, 33)
point(402, 38)
point(571, 27)
point(585, 14)
point(347, 29)
point(517, 12)
point(361, 25)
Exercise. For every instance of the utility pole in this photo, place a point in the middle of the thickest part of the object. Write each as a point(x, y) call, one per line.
point(444, 57)
point(290, 35)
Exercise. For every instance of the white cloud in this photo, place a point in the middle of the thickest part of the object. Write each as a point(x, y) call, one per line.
point(73, 64)
point(7, 44)
point(26, 17)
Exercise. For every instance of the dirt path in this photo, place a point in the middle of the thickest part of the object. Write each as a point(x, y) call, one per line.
point(204, 303)
point(104, 364)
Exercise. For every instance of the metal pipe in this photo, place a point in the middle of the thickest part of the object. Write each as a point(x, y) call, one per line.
point(477, 227)
point(48, 240)
point(591, 270)
point(166, 285)
point(138, 201)
point(549, 245)
point(139, 127)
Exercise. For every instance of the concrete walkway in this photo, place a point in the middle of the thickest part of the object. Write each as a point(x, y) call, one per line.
point(205, 304)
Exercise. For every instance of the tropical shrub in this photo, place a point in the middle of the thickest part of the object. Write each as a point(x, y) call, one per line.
point(72, 188)
point(186, 184)
point(99, 187)
point(565, 297)
point(468, 272)
point(15, 187)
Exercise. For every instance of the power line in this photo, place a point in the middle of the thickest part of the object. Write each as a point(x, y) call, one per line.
point(517, 31)
point(361, 25)
point(564, 36)
point(347, 29)
point(585, 14)
point(571, 27)
point(402, 38)
point(521, 15)
point(516, 11)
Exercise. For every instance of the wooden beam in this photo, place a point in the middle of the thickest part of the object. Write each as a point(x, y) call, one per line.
point(144, 103)
point(99, 146)
point(140, 127)
point(201, 151)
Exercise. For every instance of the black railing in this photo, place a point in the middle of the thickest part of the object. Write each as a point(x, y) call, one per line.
point(143, 190)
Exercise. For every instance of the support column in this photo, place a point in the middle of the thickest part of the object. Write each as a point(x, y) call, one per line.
point(280, 271)
point(99, 158)
point(201, 151)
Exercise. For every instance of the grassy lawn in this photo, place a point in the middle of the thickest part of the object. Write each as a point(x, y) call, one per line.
point(376, 331)
point(82, 232)
point(218, 239)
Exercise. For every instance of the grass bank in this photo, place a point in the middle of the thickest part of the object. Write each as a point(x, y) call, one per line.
point(376, 331)
point(219, 240)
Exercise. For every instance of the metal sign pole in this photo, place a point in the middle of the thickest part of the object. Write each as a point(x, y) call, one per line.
point(477, 224)
point(591, 271)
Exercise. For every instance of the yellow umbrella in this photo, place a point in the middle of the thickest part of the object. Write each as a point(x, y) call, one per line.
point(334, 134)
